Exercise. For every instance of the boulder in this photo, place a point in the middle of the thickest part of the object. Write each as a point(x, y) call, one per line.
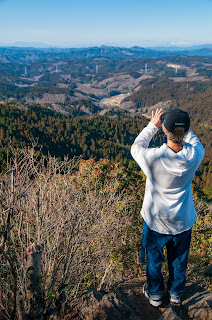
point(196, 305)
point(111, 306)
point(170, 314)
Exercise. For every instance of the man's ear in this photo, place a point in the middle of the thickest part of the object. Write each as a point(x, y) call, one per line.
point(163, 127)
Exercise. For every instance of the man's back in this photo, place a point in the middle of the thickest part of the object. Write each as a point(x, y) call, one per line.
point(168, 204)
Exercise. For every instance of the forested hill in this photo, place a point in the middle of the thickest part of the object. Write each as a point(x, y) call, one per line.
point(93, 137)
point(89, 137)
point(195, 97)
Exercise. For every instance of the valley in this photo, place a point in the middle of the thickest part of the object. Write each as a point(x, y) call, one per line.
point(56, 82)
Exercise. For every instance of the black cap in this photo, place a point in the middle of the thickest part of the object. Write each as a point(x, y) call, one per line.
point(174, 119)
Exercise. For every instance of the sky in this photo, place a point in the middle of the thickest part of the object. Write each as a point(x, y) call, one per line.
point(106, 22)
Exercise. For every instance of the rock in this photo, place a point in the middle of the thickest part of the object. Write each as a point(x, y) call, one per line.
point(129, 303)
point(198, 303)
point(200, 311)
point(170, 314)
point(111, 306)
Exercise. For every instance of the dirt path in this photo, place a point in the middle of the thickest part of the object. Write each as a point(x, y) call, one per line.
point(196, 302)
point(134, 287)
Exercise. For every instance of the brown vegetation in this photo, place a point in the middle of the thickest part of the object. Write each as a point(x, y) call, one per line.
point(78, 215)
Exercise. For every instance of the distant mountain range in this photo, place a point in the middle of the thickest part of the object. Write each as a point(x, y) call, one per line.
point(34, 54)
point(165, 46)
point(22, 44)
point(182, 48)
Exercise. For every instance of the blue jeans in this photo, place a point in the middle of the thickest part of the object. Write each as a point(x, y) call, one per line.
point(177, 253)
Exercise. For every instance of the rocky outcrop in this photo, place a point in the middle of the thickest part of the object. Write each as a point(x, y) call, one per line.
point(111, 306)
point(132, 305)
point(197, 303)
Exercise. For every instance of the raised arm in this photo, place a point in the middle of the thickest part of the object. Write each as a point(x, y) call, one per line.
point(195, 142)
point(139, 150)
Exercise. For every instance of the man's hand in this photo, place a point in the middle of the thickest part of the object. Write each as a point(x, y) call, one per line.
point(156, 118)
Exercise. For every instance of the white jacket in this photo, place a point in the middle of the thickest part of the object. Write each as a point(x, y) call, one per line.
point(168, 206)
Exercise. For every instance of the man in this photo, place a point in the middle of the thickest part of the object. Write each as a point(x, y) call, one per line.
point(168, 209)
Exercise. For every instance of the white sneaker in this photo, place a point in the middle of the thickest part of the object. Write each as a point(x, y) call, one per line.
point(174, 298)
point(154, 303)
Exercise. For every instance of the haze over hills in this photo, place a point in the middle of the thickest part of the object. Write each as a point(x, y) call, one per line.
point(147, 44)
point(180, 48)
point(136, 52)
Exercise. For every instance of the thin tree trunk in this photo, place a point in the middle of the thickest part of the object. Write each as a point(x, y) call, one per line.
point(20, 307)
point(35, 301)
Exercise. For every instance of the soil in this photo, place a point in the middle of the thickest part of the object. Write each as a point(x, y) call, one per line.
point(134, 287)
point(196, 302)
